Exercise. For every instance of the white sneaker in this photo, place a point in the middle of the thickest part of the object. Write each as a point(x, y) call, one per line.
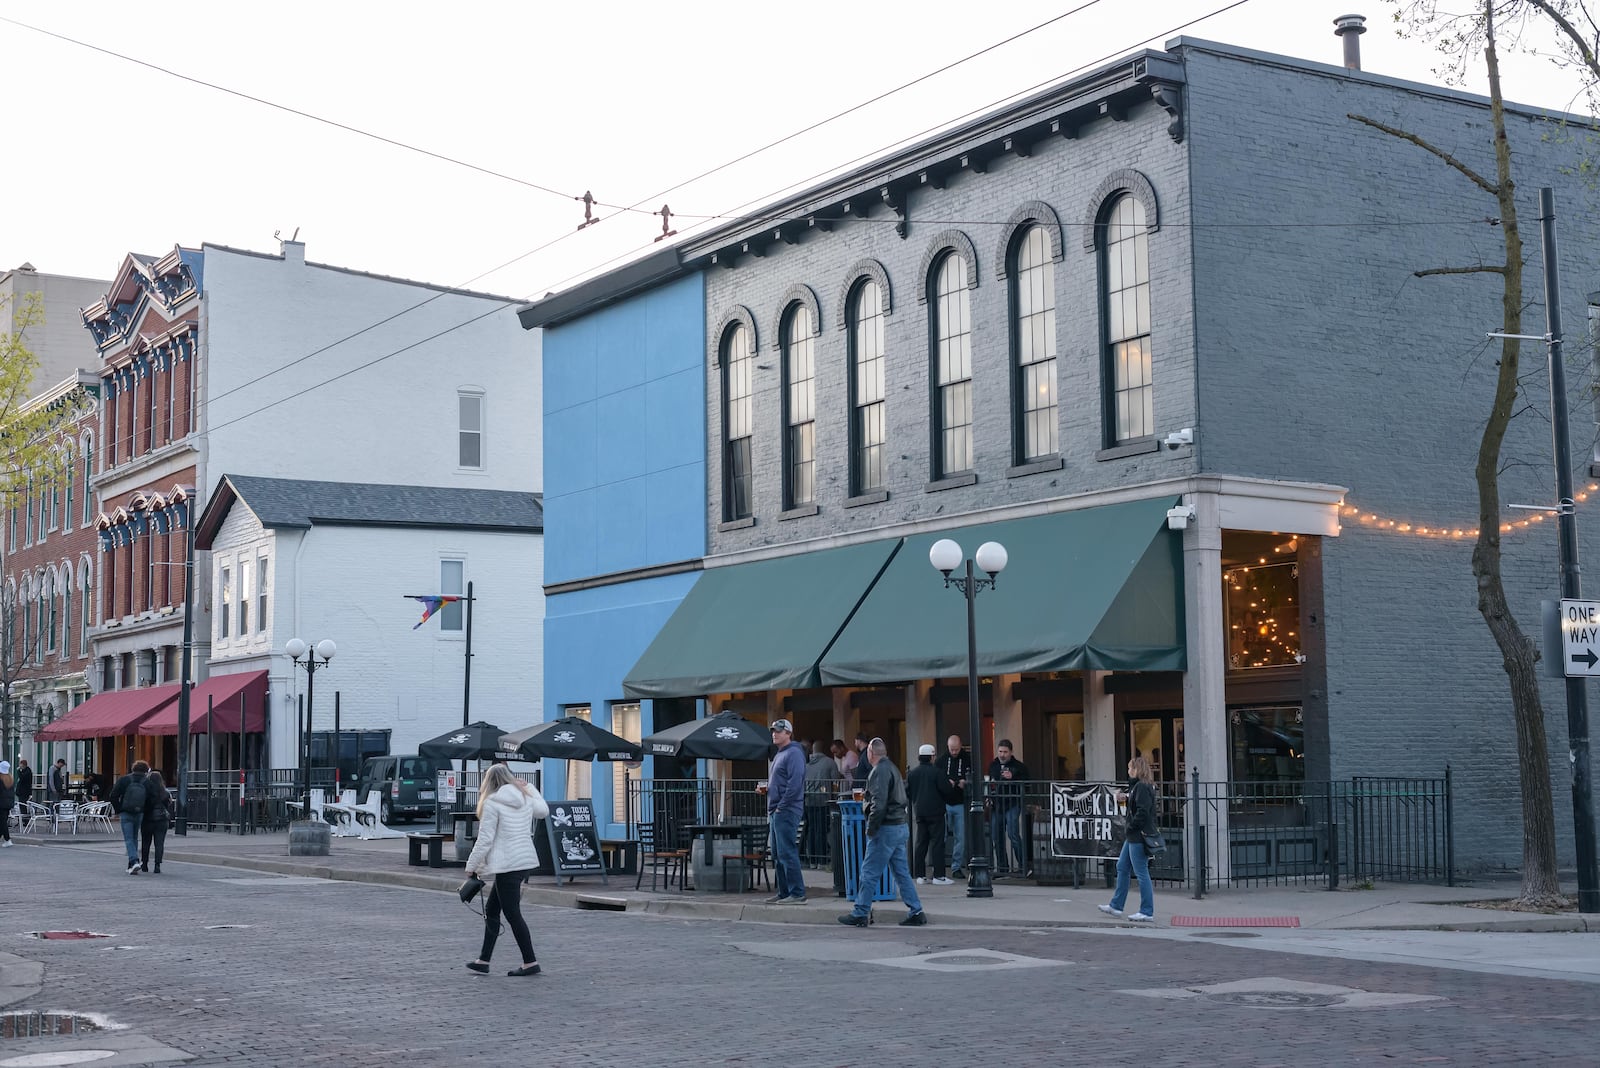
point(1140, 917)
point(922, 881)
point(942, 881)
point(7, 844)
point(1108, 910)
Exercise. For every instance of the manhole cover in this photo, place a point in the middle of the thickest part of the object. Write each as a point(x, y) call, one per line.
point(66, 1056)
point(35, 1024)
point(1226, 934)
point(66, 936)
point(964, 962)
point(1278, 999)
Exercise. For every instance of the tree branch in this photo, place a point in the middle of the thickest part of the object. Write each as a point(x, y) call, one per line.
point(1473, 176)
point(1481, 269)
point(1573, 33)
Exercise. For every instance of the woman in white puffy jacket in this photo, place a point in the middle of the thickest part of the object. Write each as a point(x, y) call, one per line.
point(503, 858)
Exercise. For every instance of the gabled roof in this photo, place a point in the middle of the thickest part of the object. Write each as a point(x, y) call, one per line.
point(296, 503)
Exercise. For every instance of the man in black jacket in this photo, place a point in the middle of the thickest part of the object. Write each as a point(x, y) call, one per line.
point(1006, 776)
point(132, 809)
point(57, 786)
point(926, 790)
point(24, 782)
point(886, 842)
point(955, 768)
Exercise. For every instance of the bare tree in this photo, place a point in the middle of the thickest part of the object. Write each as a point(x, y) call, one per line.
point(1462, 37)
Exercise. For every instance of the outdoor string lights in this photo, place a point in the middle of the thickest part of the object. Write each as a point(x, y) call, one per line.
point(1355, 516)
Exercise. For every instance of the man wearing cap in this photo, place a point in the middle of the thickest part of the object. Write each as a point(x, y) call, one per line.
point(925, 788)
point(786, 798)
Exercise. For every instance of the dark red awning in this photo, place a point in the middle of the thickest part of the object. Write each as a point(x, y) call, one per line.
point(228, 695)
point(109, 714)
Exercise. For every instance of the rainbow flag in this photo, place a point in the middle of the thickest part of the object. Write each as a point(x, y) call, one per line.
point(431, 603)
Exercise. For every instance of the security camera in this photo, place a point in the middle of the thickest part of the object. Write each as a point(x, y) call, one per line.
point(1179, 518)
point(1179, 438)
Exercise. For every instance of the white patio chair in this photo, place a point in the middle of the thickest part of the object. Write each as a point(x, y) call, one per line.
point(33, 816)
point(97, 813)
point(369, 818)
point(66, 815)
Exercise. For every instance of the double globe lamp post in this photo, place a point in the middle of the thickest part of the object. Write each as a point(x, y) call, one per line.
point(311, 658)
point(946, 556)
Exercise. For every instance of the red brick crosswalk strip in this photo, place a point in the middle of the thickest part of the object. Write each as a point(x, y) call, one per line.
point(1236, 921)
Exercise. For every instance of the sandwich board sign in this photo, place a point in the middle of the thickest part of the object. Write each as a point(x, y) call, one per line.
point(1580, 638)
point(574, 840)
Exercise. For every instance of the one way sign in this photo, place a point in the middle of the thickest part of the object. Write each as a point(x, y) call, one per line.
point(1580, 638)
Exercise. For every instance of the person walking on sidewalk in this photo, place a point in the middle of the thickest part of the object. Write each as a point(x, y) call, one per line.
point(925, 788)
point(786, 792)
point(8, 797)
point(955, 767)
point(128, 797)
point(158, 812)
point(24, 782)
point(886, 842)
point(1134, 858)
point(504, 857)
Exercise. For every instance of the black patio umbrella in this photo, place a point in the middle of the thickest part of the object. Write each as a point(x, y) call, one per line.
point(724, 736)
point(571, 739)
point(475, 741)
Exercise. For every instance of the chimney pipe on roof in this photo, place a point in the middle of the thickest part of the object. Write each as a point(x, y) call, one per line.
point(1351, 27)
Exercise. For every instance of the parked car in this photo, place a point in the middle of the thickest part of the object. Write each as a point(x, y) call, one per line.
point(406, 782)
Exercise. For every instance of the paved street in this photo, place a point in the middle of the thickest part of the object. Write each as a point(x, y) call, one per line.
point(351, 974)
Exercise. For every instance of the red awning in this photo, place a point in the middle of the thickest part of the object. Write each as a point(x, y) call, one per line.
point(109, 714)
point(225, 693)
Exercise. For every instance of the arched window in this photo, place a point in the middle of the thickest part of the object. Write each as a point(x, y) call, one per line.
point(27, 620)
point(799, 338)
point(42, 628)
point(1033, 344)
point(88, 473)
point(951, 308)
point(867, 430)
point(52, 621)
point(27, 518)
point(738, 363)
point(67, 477)
point(1125, 310)
point(86, 608)
point(66, 613)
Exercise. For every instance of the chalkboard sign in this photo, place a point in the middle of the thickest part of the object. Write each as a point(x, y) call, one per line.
point(1085, 820)
point(574, 841)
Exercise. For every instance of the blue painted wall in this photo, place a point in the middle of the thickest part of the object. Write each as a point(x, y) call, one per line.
point(625, 488)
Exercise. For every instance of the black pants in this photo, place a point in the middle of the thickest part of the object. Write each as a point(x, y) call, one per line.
point(5, 822)
point(505, 895)
point(814, 847)
point(152, 831)
point(929, 836)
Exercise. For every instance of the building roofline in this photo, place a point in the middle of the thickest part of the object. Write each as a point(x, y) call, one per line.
point(475, 293)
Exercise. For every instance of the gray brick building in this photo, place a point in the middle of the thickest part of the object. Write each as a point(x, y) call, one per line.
point(1184, 284)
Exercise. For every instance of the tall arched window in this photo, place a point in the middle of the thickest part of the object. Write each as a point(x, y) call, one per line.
point(88, 473)
point(67, 477)
point(53, 620)
point(1033, 344)
point(46, 617)
point(66, 613)
point(85, 607)
point(738, 363)
point(951, 306)
point(799, 339)
point(1125, 304)
point(867, 430)
point(27, 621)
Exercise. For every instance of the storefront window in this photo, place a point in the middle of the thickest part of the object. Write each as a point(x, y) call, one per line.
point(1267, 744)
point(1068, 749)
point(1263, 600)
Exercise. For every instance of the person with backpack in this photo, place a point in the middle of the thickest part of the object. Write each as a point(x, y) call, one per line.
point(158, 813)
point(128, 797)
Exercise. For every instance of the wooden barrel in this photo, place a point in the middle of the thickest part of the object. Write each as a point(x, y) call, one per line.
point(309, 838)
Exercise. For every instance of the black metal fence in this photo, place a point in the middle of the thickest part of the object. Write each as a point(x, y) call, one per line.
point(215, 803)
point(670, 805)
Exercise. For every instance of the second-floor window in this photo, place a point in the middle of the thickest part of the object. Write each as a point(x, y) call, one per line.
point(738, 364)
point(52, 619)
point(867, 429)
point(1033, 344)
point(225, 613)
point(261, 593)
point(86, 609)
point(1125, 299)
point(952, 366)
point(799, 407)
point(246, 594)
point(452, 581)
point(469, 406)
point(27, 520)
point(88, 473)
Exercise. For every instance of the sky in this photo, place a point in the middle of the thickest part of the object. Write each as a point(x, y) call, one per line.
point(629, 101)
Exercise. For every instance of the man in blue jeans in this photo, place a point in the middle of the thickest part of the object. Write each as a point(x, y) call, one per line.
point(887, 836)
point(955, 768)
point(132, 812)
point(786, 798)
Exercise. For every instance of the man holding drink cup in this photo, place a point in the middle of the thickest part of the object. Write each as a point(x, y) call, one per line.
point(786, 793)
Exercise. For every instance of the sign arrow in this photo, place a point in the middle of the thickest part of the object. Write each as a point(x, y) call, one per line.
point(1587, 657)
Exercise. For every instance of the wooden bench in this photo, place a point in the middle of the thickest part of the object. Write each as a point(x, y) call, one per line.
point(434, 843)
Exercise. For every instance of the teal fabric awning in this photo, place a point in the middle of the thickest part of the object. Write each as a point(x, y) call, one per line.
point(1100, 588)
point(758, 626)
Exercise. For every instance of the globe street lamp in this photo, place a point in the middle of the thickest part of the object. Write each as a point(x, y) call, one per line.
point(946, 556)
point(311, 658)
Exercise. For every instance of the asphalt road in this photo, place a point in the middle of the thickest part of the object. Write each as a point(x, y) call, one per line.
point(232, 967)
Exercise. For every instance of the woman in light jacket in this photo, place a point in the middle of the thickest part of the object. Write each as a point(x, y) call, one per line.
point(504, 857)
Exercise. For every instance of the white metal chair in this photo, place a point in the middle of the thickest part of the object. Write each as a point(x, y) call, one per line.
point(369, 818)
point(31, 815)
point(97, 812)
point(66, 815)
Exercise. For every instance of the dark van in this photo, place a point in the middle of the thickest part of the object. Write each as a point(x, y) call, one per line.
point(406, 783)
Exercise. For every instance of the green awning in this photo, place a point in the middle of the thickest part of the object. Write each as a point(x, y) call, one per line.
point(758, 626)
point(1100, 588)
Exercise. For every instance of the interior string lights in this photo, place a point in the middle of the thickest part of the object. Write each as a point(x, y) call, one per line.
point(1353, 515)
point(1263, 609)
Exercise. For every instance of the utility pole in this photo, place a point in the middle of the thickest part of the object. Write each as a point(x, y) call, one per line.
point(1571, 573)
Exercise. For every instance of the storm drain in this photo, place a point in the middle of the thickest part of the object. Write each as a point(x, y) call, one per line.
point(37, 1024)
point(66, 936)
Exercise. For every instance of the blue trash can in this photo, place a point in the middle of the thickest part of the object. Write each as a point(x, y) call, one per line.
point(853, 836)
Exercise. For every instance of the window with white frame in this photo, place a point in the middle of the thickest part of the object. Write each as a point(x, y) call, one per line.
point(66, 498)
point(626, 723)
point(951, 308)
point(261, 593)
point(799, 337)
point(225, 611)
point(469, 406)
point(86, 608)
point(1125, 302)
point(66, 615)
point(246, 592)
point(738, 422)
point(866, 388)
point(1033, 342)
point(579, 772)
point(88, 473)
point(52, 620)
point(452, 582)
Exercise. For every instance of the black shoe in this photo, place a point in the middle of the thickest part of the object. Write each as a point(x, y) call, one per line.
point(850, 919)
point(774, 899)
point(133, 869)
point(529, 969)
point(792, 900)
point(158, 869)
point(474, 966)
point(916, 919)
point(144, 867)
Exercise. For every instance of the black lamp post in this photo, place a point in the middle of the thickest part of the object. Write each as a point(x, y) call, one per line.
point(946, 556)
point(311, 658)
